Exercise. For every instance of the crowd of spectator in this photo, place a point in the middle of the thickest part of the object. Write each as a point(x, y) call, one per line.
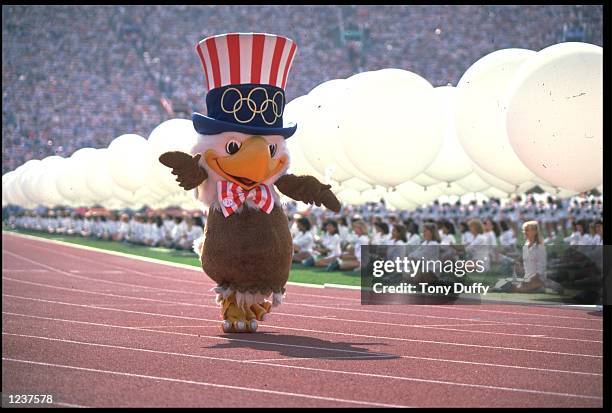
point(321, 236)
point(79, 76)
point(150, 228)
point(325, 240)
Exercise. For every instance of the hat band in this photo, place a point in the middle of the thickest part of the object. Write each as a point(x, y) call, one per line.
point(247, 104)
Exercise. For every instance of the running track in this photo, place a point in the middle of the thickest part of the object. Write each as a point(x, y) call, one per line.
point(102, 330)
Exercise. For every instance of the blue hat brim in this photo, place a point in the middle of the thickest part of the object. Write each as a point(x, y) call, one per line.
point(209, 126)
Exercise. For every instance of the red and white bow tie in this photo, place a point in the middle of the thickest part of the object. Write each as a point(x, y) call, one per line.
point(232, 196)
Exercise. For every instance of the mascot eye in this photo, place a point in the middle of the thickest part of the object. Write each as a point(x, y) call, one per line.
point(272, 149)
point(232, 147)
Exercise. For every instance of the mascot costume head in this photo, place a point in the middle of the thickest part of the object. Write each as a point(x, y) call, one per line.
point(239, 162)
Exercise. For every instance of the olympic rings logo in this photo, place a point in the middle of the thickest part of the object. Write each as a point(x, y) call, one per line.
point(277, 106)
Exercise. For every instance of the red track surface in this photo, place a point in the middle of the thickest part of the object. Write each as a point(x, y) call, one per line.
point(95, 329)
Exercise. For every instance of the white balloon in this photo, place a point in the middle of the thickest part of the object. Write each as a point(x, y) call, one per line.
point(66, 185)
point(418, 194)
point(28, 178)
point(481, 113)
point(396, 201)
point(130, 161)
point(495, 193)
point(452, 188)
point(451, 163)
point(373, 194)
point(325, 124)
point(393, 133)
point(171, 135)
point(317, 130)
point(24, 199)
point(349, 196)
point(98, 178)
point(357, 184)
point(298, 164)
point(473, 183)
point(46, 182)
point(555, 115)
point(425, 180)
point(494, 181)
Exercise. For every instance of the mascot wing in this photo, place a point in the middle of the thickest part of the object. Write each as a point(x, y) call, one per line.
point(186, 167)
point(308, 189)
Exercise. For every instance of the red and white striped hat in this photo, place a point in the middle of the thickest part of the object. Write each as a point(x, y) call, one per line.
point(246, 74)
point(240, 58)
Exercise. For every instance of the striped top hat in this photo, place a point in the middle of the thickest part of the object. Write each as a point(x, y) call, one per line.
point(246, 74)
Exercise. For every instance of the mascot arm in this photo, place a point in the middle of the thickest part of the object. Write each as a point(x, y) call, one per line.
point(308, 189)
point(186, 167)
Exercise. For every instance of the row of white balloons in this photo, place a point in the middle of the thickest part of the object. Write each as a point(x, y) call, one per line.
point(517, 118)
point(126, 174)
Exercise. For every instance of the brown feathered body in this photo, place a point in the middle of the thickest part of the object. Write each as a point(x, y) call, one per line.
point(249, 251)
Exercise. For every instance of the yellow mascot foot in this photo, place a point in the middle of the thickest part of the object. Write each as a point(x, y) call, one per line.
point(259, 310)
point(236, 319)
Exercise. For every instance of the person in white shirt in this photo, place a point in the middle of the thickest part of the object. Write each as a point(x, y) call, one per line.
point(412, 234)
point(343, 230)
point(448, 233)
point(575, 236)
point(327, 249)
point(303, 241)
point(168, 226)
point(381, 234)
point(153, 231)
point(507, 237)
point(190, 234)
point(429, 253)
point(52, 223)
point(490, 231)
point(534, 262)
point(399, 239)
point(478, 249)
point(466, 235)
point(598, 236)
point(178, 232)
point(135, 232)
point(351, 260)
point(587, 237)
point(122, 231)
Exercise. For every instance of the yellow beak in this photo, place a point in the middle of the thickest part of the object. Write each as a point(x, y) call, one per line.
point(248, 167)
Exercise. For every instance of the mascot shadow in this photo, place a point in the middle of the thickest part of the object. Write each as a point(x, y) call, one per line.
point(303, 347)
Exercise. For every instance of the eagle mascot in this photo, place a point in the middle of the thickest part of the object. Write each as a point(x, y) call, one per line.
point(238, 163)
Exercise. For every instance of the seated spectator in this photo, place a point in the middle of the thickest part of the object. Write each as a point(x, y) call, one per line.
point(412, 234)
point(507, 237)
point(478, 249)
point(303, 241)
point(381, 233)
point(351, 259)
point(153, 231)
point(122, 232)
point(190, 234)
point(327, 248)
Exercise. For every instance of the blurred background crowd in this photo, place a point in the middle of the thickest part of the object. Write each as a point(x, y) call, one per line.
point(76, 77)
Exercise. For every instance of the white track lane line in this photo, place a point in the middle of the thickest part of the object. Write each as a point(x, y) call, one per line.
point(198, 269)
point(443, 382)
point(310, 330)
point(309, 347)
point(306, 316)
point(201, 383)
point(450, 328)
point(302, 304)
